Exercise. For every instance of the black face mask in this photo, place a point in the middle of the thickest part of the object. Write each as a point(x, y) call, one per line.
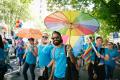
point(57, 42)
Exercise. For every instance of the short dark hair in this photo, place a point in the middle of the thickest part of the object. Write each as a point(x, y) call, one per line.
point(32, 39)
point(99, 38)
point(91, 38)
point(56, 32)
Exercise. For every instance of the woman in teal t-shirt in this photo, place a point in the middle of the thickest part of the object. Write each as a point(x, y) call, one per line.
point(30, 61)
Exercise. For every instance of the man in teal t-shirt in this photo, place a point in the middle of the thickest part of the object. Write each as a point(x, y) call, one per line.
point(59, 57)
point(96, 69)
point(44, 57)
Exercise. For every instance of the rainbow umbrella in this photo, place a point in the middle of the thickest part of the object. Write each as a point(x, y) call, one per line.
point(77, 43)
point(73, 23)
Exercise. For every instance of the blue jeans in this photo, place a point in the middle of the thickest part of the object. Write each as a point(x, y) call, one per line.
point(25, 68)
point(55, 78)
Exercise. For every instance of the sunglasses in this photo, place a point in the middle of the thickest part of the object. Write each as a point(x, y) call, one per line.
point(45, 37)
point(55, 38)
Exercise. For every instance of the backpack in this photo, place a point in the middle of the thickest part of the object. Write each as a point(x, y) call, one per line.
point(71, 71)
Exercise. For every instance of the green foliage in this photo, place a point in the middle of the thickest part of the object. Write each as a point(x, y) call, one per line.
point(12, 10)
point(106, 11)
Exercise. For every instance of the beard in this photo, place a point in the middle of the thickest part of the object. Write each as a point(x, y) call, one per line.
point(57, 42)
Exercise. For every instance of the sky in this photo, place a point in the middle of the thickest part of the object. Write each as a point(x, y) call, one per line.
point(38, 9)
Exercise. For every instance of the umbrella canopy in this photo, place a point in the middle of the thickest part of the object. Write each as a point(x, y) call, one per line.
point(77, 43)
point(73, 23)
point(29, 33)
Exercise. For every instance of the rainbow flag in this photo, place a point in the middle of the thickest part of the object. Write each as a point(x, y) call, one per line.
point(86, 52)
point(86, 56)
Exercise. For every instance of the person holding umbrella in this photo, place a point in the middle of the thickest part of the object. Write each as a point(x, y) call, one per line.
point(72, 23)
point(30, 61)
point(59, 57)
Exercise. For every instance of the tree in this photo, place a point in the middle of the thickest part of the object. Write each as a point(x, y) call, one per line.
point(106, 11)
point(12, 10)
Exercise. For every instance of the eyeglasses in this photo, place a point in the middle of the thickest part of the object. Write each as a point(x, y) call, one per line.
point(45, 37)
point(57, 38)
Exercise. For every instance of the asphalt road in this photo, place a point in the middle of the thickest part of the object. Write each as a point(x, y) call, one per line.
point(15, 75)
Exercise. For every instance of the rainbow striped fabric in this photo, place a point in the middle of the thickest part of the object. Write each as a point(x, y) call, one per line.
point(86, 56)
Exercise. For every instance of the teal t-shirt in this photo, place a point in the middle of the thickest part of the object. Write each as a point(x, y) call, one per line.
point(112, 54)
point(60, 59)
point(2, 54)
point(44, 56)
point(30, 58)
point(104, 53)
point(6, 46)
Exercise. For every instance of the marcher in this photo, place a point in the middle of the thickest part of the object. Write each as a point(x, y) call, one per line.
point(97, 65)
point(110, 64)
point(20, 50)
point(43, 59)
point(59, 57)
point(3, 66)
point(6, 49)
point(88, 48)
point(30, 61)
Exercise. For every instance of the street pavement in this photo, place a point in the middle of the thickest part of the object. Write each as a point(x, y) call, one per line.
point(14, 75)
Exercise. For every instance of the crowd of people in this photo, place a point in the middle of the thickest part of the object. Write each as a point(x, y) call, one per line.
point(56, 61)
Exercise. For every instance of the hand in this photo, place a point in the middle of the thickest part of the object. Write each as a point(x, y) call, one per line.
point(98, 55)
point(115, 58)
point(50, 78)
point(95, 76)
point(69, 49)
